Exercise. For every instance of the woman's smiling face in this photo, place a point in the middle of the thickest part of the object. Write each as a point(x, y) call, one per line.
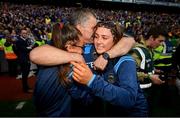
point(103, 40)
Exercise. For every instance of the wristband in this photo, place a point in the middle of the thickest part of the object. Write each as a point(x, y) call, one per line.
point(106, 56)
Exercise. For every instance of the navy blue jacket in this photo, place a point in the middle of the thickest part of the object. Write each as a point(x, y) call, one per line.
point(117, 87)
point(50, 97)
point(21, 50)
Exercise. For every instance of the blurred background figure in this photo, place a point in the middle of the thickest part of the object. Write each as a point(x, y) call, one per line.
point(23, 50)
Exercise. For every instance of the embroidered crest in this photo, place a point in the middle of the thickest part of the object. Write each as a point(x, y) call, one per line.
point(111, 78)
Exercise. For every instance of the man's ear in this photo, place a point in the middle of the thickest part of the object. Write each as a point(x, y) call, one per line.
point(79, 27)
point(151, 38)
point(74, 49)
point(68, 47)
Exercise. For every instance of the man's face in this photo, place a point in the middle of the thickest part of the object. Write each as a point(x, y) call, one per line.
point(24, 34)
point(158, 41)
point(87, 29)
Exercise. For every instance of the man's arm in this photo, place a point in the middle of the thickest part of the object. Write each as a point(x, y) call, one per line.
point(121, 48)
point(49, 56)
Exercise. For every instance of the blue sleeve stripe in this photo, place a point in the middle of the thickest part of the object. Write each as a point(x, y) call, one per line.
point(70, 75)
point(122, 59)
point(91, 80)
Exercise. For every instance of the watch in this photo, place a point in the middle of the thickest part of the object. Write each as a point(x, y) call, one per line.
point(106, 56)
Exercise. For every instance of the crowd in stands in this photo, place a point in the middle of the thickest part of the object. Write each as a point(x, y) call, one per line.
point(39, 19)
point(37, 22)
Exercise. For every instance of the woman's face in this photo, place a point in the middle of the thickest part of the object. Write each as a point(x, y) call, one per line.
point(103, 40)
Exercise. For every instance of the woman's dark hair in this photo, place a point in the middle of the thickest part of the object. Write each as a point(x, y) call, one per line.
point(116, 29)
point(61, 34)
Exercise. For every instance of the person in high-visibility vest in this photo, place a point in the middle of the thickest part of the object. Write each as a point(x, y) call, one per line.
point(163, 56)
point(143, 55)
point(2, 41)
point(38, 39)
point(10, 56)
point(38, 42)
point(163, 62)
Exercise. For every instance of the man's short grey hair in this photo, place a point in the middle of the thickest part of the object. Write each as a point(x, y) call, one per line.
point(81, 16)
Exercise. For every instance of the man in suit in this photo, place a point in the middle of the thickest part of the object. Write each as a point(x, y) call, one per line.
point(23, 50)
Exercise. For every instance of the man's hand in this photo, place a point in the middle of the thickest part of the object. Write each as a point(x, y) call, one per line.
point(156, 80)
point(81, 73)
point(100, 63)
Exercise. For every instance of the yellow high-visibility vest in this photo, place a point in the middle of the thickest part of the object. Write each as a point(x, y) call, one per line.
point(162, 57)
point(2, 41)
point(9, 53)
point(40, 42)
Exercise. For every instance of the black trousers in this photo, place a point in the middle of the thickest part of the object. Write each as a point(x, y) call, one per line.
point(25, 68)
